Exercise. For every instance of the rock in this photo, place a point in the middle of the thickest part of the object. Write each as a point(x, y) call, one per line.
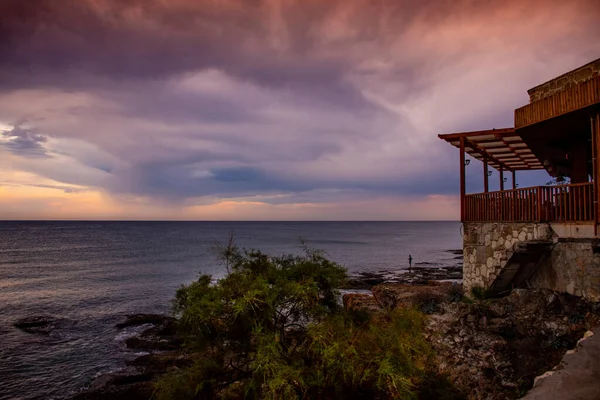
point(506, 342)
point(40, 324)
point(141, 319)
point(131, 383)
point(161, 337)
point(136, 381)
point(539, 379)
point(393, 295)
point(358, 301)
point(161, 362)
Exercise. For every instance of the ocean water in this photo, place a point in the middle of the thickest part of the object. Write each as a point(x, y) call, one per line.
point(89, 275)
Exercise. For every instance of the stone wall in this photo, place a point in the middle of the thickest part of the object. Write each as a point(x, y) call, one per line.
point(573, 267)
point(487, 247)
point(565, 81)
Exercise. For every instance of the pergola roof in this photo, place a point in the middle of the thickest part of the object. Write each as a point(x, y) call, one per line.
point(503, 148)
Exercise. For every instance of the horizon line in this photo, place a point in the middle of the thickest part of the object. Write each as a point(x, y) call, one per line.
point(190, 220)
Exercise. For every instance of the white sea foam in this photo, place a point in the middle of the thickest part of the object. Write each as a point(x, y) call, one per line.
point(131, 332)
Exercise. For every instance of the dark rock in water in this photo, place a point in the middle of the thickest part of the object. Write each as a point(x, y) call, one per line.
point(161, 337)
point(457, 252)
point(365, 280)
point(141, 319)
point(130, 384)
point(136, 381)
point(152, 343)
point(41, 324)
point(161, 362)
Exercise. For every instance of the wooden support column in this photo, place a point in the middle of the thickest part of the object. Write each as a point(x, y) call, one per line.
point(462, 179)
point(501, 178)
point(486, 184)
point(595, 125)
point(514, 179)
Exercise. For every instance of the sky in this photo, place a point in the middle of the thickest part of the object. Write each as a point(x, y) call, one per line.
point(265, 109)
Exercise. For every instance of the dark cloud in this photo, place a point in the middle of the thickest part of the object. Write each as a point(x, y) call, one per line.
point(24, 142)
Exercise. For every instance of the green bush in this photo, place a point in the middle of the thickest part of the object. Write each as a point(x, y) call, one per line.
point(273, 328)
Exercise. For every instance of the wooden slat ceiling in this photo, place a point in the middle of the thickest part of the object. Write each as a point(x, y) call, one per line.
point(503, 148)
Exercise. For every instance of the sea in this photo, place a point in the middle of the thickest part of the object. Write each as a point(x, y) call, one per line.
point(91, 275)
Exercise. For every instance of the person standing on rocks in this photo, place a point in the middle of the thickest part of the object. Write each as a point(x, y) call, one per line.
point(409, 263)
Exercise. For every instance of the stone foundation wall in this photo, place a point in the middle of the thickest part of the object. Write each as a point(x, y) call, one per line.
point(565, 81)
point(487, 247)
point(573, 267)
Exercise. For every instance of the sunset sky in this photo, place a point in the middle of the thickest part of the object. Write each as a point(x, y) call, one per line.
point(265, 109)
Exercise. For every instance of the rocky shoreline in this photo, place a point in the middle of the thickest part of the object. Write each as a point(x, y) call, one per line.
point(135, 381)
point(487, 348)
point(419, 274)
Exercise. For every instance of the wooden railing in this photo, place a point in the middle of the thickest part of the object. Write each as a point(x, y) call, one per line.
point(566, 203)
point(571, 99)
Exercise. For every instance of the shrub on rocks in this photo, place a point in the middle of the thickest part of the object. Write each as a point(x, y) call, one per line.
point(273, 329)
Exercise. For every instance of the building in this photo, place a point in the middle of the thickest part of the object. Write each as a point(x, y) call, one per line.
point(543, 236)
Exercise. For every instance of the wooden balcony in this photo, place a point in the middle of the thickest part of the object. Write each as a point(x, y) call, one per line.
point(565, 203)
point(574, 98)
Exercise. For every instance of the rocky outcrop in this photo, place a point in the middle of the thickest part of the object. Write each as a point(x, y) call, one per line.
point(493, 349)
point(142, 319)
point(40, 324)
point(161, 337)
point(361, 302)
point(387, 296)
point(490, 349)
point(392, 295)
point(135, 382)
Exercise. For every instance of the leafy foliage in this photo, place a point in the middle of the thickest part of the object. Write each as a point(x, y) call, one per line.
point(273, 328)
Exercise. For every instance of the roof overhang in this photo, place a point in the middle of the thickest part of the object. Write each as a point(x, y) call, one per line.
point(502, 148)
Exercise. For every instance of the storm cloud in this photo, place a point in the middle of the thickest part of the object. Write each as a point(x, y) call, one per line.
point(178, 104)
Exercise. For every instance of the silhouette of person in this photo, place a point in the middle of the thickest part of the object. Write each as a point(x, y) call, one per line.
point(409, 263)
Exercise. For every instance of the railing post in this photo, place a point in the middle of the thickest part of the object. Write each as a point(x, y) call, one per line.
point(486, 186)
point(539, 203)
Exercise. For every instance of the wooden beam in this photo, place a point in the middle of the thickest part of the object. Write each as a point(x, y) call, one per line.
point(484, 153)
point(499, 132)
point(501, 178)
point(462, 179)
point(486, 185)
